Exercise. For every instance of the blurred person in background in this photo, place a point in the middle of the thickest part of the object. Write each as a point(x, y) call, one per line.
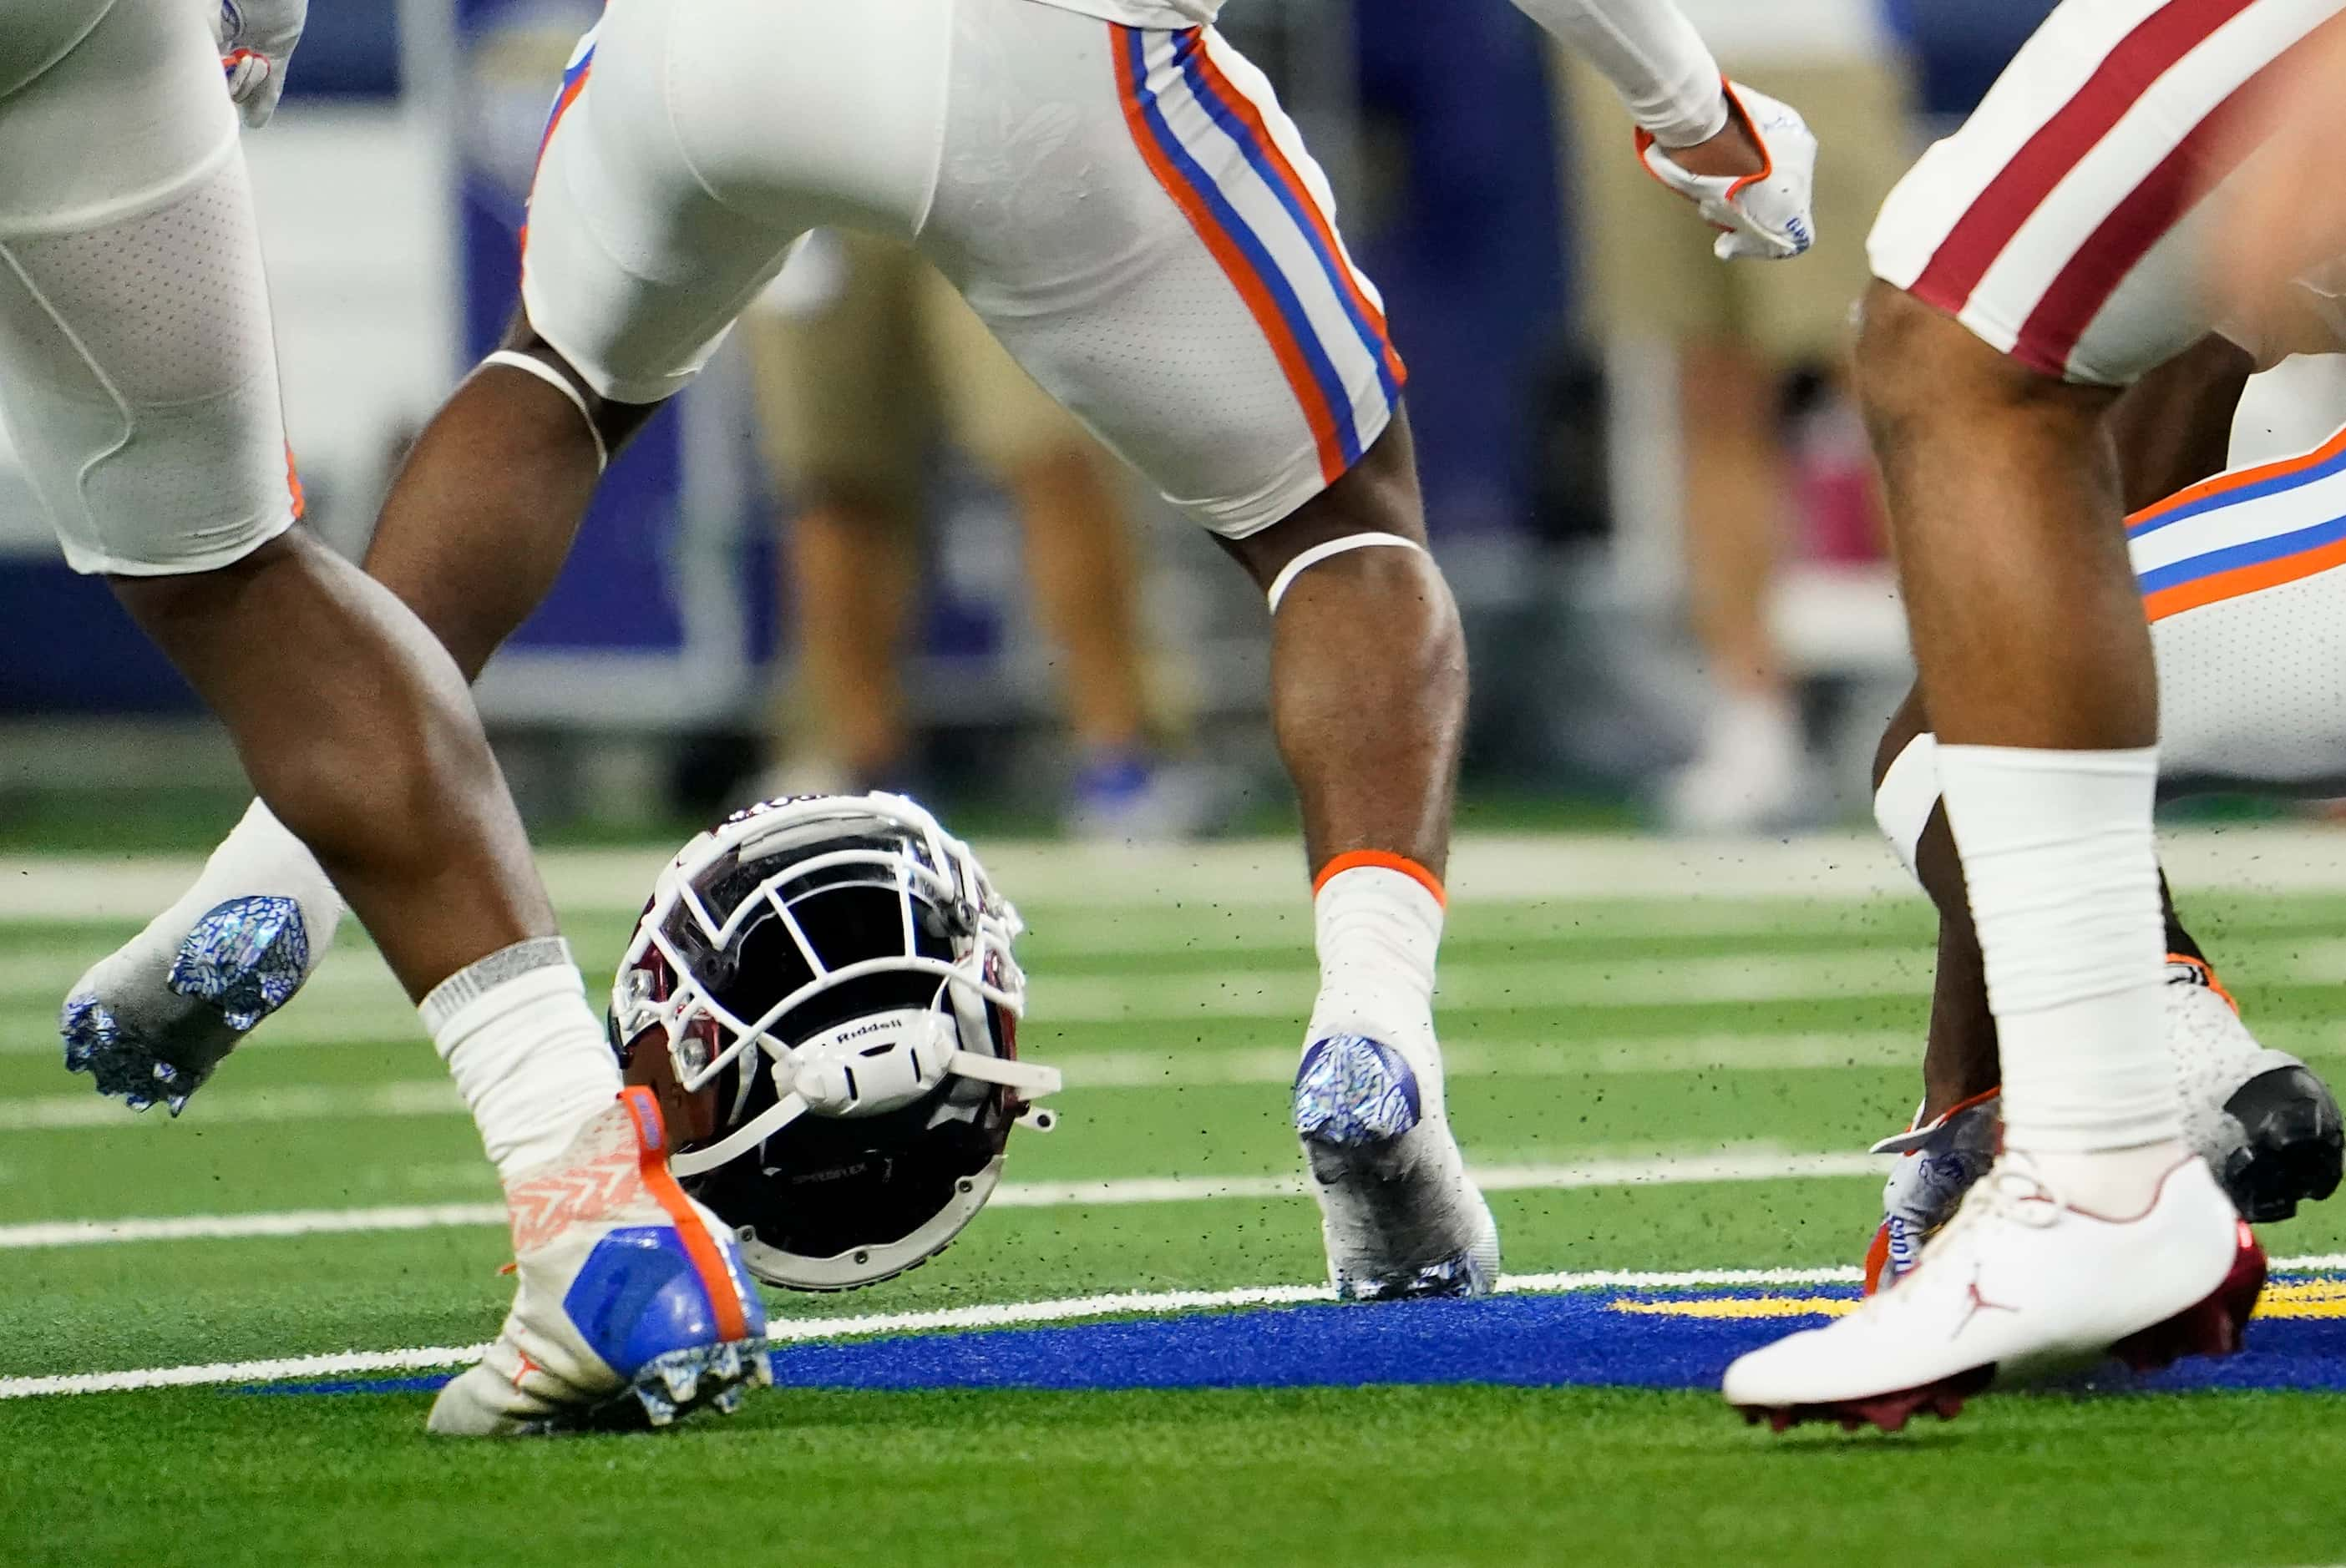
point(1737, 335)
point(862, 349)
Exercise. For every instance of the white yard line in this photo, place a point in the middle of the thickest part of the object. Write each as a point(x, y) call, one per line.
point(1006, 1315)
point(352, 1002)
point(1754, 1162)
point(89, 1111)
point(355, 1001)
point(2275, 857)
point(1204, 1067)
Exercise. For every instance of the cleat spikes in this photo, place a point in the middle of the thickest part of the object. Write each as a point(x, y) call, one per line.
point(175, 1103)
point(658, 1409)
point(1886, 1412)
point(247, 957)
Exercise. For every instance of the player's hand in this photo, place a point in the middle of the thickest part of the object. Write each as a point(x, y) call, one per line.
point(1755, 181)
point(256, 39)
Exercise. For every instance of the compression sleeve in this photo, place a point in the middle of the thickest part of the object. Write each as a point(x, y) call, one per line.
point(1652, 55)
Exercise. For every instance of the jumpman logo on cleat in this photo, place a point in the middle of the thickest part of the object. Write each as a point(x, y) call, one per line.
point(1976, 1304)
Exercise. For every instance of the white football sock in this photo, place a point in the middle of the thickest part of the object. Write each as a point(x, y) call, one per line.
point(2058, 850)
point(1377, 930)
point(260, 856)
point(526, 1052)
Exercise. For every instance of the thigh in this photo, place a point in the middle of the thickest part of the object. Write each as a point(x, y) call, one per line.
point(841, 395)
point(1138, 221)
point(2064, 223)
point(137, 368)
point(692, 142)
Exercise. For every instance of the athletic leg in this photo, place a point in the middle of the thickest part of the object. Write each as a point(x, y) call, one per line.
point(483, 512)
point(153, 433)
point(2014, 303)
point(1198, 310)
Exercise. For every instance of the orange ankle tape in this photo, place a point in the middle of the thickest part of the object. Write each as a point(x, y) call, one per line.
point(1353, 859)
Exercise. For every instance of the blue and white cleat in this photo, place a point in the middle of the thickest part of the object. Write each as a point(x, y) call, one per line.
point(150, 1029)
point(1400, 1214)
point(634, 1308)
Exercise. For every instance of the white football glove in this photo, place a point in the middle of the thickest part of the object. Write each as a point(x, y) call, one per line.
point(1766, 214)
point(256, 39)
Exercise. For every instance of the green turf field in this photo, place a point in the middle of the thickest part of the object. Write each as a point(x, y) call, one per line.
point(1655, 1081)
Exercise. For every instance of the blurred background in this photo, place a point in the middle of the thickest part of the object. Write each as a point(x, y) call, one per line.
point(857, 553)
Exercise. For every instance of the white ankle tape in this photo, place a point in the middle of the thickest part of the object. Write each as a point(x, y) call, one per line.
point(515, 359)
point(484, 975)
point(1319, 553)
point(1908, 795)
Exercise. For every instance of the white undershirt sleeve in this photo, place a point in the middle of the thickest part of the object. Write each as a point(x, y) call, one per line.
point(1652, 55)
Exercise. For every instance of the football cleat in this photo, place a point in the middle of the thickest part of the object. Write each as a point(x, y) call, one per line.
point(1941, 1162)
point(2265, 1123)
point(151, 1031)
point(1400, 1214)
point(633, 1309)
point(2021, 1284)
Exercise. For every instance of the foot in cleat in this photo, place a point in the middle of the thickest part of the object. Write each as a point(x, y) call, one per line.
point(1400, 1214)
point(1939, 1162)
point(2021, 1284)
point(150, 1031)
point(2291, 1145)
point(2264, 1121)
point(634, 1308)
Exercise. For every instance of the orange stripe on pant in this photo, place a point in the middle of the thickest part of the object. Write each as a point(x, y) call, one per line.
point(1243, 107)
point(1227, 255)
point(2221, 585)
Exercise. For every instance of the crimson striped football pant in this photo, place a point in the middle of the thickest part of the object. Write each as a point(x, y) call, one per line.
point(2066, 223)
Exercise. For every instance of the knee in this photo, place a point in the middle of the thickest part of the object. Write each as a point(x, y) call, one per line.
point(1912, 360)
point(1377, 496)
point(1890, 361)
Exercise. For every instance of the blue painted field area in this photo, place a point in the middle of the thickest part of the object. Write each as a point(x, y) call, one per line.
point(1678, 1340)
point(1674, 1339)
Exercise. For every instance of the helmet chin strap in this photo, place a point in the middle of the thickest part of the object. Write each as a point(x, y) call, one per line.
point(1033, 1081)
point(742, 1139)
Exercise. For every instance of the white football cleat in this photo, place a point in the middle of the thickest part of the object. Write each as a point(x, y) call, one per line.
point(2265, 1123)
point(634, 1307)
point(2021, 1284)
point(152, 1019)
point(1400, 1214)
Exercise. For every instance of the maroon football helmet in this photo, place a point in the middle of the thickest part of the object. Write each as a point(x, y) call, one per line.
point(822, 993)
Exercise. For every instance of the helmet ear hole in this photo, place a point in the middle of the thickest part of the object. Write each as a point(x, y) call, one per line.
point(691, 1115)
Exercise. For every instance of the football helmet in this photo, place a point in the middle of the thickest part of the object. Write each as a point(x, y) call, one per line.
point(822, 993)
